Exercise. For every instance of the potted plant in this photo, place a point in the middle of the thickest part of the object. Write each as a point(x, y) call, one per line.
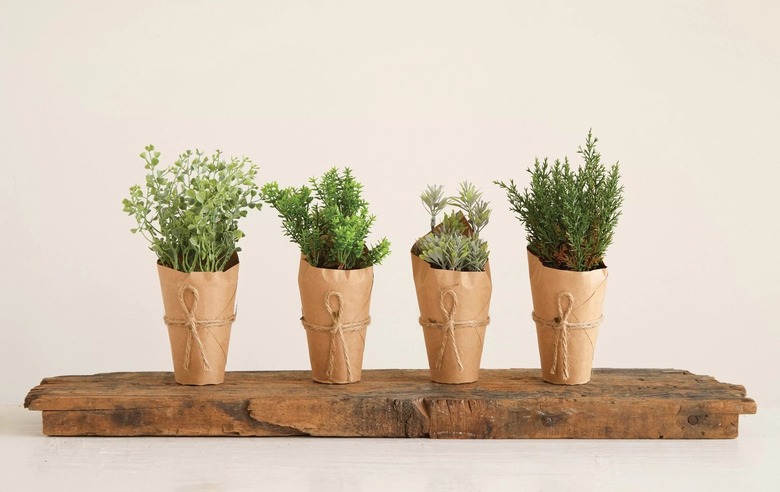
point(330, 223)
point(570, 217)
point(189, 213)
point(452, 280)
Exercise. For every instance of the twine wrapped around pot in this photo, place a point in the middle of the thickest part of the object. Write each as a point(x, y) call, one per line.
point(335, 309)
point(454, 314)
point(568, 310)
point(199, 313)
point(337, 329)
point(449, 326)
point(562, 325)
point(194, 325)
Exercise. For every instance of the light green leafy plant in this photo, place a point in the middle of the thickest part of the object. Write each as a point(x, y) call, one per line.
point(332, 231)
point(569, 215)
point(455, 243)
point(434, 202)
point(189, 211)
point(469, 201)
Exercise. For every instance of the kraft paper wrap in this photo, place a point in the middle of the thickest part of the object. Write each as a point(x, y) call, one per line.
point(473, 291)
point(355, 288)
point(588, 290)
point(216, 302)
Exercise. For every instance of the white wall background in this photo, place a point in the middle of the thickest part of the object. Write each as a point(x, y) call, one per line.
point(683, 93)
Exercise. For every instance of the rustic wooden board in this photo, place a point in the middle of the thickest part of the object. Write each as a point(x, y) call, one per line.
point(506, 403)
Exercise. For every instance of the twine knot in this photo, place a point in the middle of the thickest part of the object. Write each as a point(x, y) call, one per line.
point(336, 330)
point(193, 324)
point(562, 324)
point(449, 325)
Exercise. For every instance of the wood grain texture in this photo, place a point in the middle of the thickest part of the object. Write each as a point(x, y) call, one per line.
point(506, 403)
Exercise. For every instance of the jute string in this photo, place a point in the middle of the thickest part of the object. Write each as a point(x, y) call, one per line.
point(563, 326)
point(337, 330)
point(449, 326)
point(194, 324)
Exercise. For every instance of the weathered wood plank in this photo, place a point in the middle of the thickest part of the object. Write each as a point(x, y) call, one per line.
point(506, 403)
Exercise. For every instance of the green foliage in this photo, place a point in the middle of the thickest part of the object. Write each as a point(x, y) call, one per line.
point(470, 201)
point(455, 243)
point(332, 231)
point(569, 215)
point(434, 201)
point(189, 211)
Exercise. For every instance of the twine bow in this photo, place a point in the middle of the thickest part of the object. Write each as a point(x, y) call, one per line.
point(336, 330)
point(193, 324)
point(562, 324)
point(449, 326)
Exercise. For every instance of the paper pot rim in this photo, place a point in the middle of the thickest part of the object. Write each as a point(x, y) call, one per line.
point(532, 256)
point(232, 263)
point(303, 259)
point(465, 272)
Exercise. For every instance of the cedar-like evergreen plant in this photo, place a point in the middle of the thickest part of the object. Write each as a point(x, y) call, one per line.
point(569, 214)
point(329, 221)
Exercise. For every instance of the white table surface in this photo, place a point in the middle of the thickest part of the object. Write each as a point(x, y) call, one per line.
point(31, 461)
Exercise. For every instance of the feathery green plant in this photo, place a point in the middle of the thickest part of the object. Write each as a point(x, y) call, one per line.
point(569, 215)
point(332, 231)
point(189, 211)
point(455, 243)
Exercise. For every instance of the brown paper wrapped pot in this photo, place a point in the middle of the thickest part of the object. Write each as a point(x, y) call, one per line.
point(587, 289)
point(213, 314)
point(335, 360)
point(473, 291)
